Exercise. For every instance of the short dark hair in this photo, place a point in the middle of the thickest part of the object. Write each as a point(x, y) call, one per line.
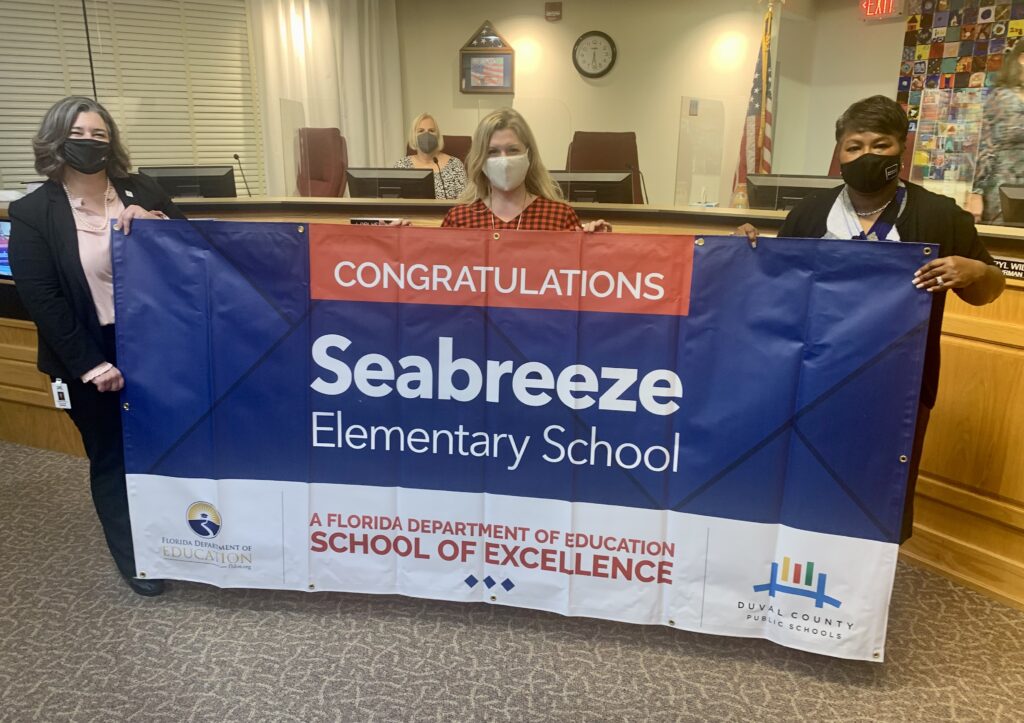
point(876, 114)
point(48, 143)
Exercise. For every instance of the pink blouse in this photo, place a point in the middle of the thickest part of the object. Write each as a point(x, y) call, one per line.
point(94, 250)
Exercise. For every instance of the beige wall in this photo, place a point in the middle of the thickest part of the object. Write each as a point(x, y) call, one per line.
point(666, 49)
point(828, 58)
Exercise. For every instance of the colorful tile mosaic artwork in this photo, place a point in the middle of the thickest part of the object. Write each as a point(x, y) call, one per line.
point(952, 53)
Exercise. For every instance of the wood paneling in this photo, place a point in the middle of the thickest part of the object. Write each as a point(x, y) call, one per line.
point(27, 415)
point(37, 426)
point(969, 510)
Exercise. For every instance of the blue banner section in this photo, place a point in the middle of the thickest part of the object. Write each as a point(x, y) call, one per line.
point(800, 364)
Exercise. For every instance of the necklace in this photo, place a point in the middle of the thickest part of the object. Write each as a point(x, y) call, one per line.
point(80, 217)
point(864, 214)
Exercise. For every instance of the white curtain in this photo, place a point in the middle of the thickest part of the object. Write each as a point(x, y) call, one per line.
point(327, 64)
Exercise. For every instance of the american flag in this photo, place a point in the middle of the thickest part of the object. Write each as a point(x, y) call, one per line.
point(487, 72)
point(756, 144)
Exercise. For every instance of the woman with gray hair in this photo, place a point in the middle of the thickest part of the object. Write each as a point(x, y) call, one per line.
point(60, 256)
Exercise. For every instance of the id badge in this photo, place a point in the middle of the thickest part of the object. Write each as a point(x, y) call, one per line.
point(61, 399)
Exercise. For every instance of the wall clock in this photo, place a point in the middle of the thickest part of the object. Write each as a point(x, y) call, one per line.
point(594, 54)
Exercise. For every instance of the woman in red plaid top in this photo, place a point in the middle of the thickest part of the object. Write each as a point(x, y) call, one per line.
point(508, 186)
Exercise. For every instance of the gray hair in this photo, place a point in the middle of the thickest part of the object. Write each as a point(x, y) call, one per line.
point(48, 143)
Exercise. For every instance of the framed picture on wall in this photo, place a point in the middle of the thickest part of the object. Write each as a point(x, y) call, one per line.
point(487, 63)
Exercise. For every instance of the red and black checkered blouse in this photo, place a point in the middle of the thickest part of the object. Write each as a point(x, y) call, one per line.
point(540, 215)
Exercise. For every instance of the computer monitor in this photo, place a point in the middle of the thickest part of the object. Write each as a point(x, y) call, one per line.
point(390, 182)
point(5, 237)
point(595, 186)
point(782, 192)
point(194, 181)
point(1011, 198)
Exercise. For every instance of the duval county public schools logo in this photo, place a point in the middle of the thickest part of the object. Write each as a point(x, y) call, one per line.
point(204, 519)
point(804, 584)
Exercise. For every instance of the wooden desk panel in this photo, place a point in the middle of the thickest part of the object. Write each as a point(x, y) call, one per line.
point(27, 415)
point(969, 516)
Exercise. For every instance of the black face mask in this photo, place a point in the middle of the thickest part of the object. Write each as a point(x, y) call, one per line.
point(427, 142)
point(86, 155)
point(871, 172)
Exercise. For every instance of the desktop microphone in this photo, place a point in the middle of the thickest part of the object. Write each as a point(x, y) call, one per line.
point(239, 160)
point(441, 176)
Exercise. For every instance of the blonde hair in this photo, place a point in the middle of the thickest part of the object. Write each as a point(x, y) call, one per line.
point(416, 124)
point(538, 180)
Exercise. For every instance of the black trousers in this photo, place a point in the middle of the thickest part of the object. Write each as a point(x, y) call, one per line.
point(98, 418)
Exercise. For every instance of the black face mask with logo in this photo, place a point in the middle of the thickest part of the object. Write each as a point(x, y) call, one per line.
point(870, 172)
point(86, 155)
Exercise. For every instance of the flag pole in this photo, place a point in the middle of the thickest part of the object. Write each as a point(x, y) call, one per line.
point(758, 127)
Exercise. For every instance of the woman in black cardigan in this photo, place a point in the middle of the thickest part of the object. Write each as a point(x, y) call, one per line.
point(874, 204)
point(60, 256)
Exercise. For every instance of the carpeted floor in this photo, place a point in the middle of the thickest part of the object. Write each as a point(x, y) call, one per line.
point(77, 645)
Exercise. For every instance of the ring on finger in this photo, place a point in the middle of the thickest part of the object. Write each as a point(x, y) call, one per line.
point(938, 280)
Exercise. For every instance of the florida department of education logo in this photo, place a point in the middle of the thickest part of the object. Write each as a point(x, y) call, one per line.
point(204, 519)
point(804, 584)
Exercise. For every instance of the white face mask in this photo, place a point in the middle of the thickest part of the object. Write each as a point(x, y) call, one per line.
point(507, 172)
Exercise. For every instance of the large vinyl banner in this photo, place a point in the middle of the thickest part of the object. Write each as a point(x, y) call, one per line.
point(654, 429)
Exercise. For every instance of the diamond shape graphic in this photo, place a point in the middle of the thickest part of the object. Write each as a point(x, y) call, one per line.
point(489, 582)
point(508, 585)
point(471, 581)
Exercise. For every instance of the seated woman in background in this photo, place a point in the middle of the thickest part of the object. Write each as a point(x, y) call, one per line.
point(426, 138)
point(1001, 148)
point(509, 187)
point(874, 204)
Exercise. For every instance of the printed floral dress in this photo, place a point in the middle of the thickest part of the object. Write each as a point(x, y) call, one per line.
point(449, 183)
point(1001, 150)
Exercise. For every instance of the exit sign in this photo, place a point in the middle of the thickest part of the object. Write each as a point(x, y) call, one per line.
point(881, 9)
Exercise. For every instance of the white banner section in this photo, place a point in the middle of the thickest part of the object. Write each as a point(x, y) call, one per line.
point(816, 592)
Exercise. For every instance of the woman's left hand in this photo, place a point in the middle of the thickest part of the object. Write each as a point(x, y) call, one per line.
point(949, 272)
point(132, 212)
point(109, 381)
point(600, 225)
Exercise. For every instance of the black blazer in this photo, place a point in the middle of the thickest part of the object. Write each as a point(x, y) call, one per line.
point(49, 277)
